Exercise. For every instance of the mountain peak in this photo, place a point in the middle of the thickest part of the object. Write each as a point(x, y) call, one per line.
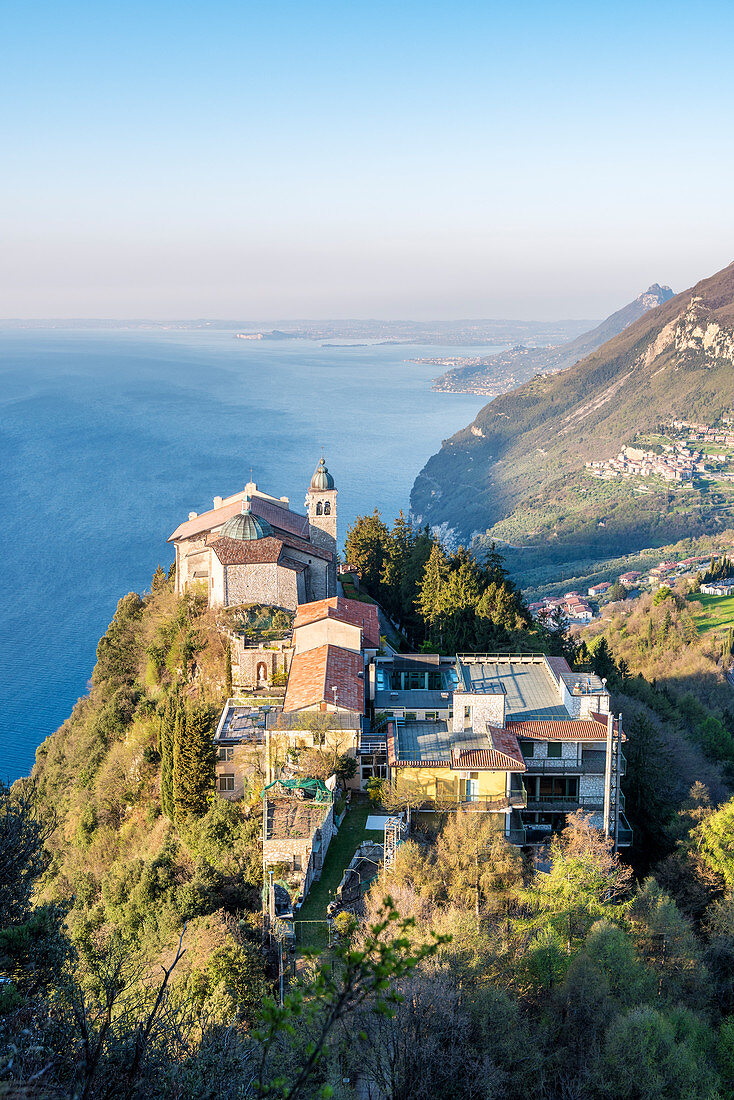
point(654, 296)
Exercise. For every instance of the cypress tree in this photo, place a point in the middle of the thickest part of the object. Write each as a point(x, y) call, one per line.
point(165, 747)
point(228, 671)
point(179, 762)
point(194, 761)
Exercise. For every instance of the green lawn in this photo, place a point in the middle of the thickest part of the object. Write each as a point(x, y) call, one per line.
point(343, 846)
point(715, 613)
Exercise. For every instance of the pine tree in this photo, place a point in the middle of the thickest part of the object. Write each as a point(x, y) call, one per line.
point(160, 579)
point(430, 594)
point(602, 660)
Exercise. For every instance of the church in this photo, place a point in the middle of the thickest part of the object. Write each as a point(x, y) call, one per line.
point(252, 548)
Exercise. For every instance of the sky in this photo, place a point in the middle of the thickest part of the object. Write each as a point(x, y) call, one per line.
point(397, 160)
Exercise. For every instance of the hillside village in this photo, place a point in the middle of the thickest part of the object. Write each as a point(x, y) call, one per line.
point(576, 609)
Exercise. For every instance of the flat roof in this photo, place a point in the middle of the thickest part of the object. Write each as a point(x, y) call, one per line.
point(413, 699)
point(530, 690)
point(240, 722)
point(423, 742)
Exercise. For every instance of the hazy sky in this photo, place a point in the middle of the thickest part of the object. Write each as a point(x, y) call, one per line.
point(428, 160)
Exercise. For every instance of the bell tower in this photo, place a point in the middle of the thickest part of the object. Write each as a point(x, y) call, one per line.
point(321, 505)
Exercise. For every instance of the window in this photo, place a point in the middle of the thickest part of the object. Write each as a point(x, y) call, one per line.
point(296, 862)
point(318, 509)
point(555, 750)
point(226, 782)
point(410, 716)
point(319, 737)
point(327, 509)
point(415, 681)
point(527, 748)
point(434, 681)
point(226, 752)
point(431, 716)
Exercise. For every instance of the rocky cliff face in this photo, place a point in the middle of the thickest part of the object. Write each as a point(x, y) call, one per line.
point(675, 360)
point(695, 332)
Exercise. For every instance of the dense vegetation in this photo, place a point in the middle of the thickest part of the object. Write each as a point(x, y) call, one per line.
point(577, 983)
point(130, 896)
point(443, 601)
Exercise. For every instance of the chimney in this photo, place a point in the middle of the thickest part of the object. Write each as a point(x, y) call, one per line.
point(217, 502)
point(193, 515)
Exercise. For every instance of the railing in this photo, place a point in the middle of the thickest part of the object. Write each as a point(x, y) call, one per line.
point(564, 802)
point(310, 721)
point(516, 800)
point(588, 765)
point(501, 658)
point(624, 833)
point(517, 836)
point(369, 743)
point(558, 767)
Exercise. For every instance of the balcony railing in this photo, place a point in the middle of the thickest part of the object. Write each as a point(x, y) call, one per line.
point(517, 836)
point(558, 767)
point(564, 803)
point(517, 800)
point(624, 833)
point(592, 762)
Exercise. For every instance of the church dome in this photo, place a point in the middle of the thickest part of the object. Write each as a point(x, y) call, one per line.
point(322, 479)
point(245, 526)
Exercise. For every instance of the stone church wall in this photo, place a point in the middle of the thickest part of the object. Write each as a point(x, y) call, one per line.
point(192, 557)
point(266, 583)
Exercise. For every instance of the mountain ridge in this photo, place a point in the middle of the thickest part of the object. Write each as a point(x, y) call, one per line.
point(520, 363)
point(517, 456)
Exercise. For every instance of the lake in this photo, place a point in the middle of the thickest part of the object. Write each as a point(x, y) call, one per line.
point(108, 439)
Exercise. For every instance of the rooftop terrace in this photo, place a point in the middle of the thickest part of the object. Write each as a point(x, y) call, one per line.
point(421, 742)
point(529, 687)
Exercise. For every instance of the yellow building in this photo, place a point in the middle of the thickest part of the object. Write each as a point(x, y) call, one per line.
point(431, 766)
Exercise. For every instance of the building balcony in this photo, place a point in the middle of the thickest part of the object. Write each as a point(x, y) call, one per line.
point(517, 836)
point(372, 743)
point(543, 765)
point(516, 800)
point(593, 762)
point(562, 803)
point(624, 832)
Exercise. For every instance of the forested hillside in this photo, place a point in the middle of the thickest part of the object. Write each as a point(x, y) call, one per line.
point(130, 894)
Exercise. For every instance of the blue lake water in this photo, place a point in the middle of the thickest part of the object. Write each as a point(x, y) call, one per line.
point(108, 439)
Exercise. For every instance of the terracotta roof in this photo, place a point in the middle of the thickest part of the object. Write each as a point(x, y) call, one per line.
point(314, 674)
point(303, 545)
point(241, 552)
point(575, 729)
point(291, 522)
point(289, 563)
point(355, 612)
point(504, 755)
